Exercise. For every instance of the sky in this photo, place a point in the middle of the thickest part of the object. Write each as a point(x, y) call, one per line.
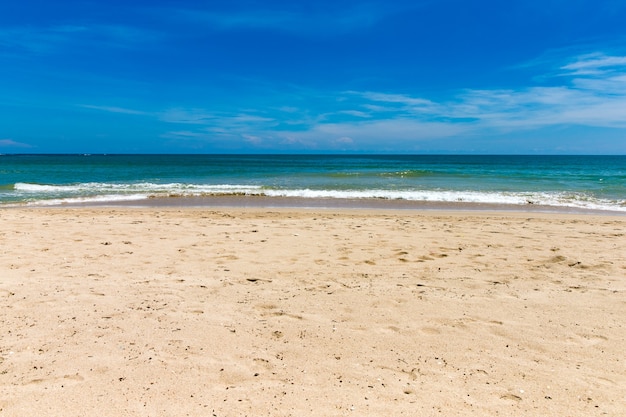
point(325, 76)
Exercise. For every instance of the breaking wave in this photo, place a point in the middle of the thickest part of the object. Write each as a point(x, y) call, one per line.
point(48, 194)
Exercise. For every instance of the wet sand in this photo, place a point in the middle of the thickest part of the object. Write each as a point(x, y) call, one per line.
point(165, 311)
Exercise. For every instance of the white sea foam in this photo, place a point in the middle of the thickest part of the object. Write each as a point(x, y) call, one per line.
point(86, 200)
point(477, 197)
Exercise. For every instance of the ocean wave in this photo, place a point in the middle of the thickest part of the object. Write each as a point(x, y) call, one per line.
point(557, 199)
point(48, 194)
point(145, 187)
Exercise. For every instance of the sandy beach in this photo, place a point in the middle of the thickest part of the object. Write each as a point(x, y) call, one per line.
point(294, 312)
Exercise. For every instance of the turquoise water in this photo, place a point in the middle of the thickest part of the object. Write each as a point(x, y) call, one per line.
point(584, 182)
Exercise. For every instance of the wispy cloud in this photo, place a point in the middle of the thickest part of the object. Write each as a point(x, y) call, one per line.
point(36, 40)
point(113, 109)
point(215, 120)
point(10, 143)
point(588, 91)
point(396, 98)
point(375, 134)
point(595, 64)
point(218, 126)
point(188, 116)
point(46, 40)
point(294, 17)
point(593, 94)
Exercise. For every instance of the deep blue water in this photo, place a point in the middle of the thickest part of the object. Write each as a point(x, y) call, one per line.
point(593, 182)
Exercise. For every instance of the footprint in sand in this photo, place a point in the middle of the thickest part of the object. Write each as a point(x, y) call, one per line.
point(64, 380)
point(430, 330)
point(591, 339)
point(511, 397)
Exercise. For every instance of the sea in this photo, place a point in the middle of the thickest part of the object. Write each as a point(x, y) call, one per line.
point(499, 182)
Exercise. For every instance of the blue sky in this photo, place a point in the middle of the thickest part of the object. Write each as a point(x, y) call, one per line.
point(432, 76)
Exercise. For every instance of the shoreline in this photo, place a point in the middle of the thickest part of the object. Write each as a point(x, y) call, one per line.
point(326, 204)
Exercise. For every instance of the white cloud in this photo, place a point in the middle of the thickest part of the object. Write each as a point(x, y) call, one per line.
point(293, 17)
point(587, 98)
point(212, 119)
point(288, 109)
point(388, 129)
point(594, 64)
point(595, 99)
point(185, 134)
point(113, 109)
point(10, 143)
point(402, 103)
point(373, 120)
point(396, 98)
point(188, 116)
point(356, 113)
point(344, 140)
point(249, 118)
point(379, 134)
point(255, 140)
point(44, 40)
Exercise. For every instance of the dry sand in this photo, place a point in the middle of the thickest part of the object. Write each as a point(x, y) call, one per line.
point(166, 312)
